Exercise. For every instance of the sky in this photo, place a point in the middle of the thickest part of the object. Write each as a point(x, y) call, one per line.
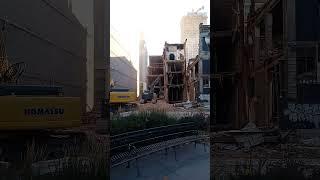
point(159, 20)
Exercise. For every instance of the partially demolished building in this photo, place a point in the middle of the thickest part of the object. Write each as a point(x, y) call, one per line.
point(266, 73)
point(198, 69)
point(175, 86)
point(193, 79)
point(177, 80)
point(285, 61)
point(267, 59)
point(155, 75)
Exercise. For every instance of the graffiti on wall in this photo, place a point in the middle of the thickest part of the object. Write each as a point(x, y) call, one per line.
point(304, 116)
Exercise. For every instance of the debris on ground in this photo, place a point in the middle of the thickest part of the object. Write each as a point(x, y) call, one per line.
point(184, 109)
point(186, 105)
point(250, 127)
point(250, 146)
point(247, 141)
point(161, 105)
point(311, 141)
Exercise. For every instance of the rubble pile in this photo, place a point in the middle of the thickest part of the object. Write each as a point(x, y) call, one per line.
point(254, 150)
point(161, 105)
point(184, 106)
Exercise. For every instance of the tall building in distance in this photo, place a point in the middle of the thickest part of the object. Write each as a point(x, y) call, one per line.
point(190, 31)
point(143, 64)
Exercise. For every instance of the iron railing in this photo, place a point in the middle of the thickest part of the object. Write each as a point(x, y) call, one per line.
point(121, 142)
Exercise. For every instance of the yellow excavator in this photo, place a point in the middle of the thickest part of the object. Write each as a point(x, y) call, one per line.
point(33, 113)
point(121, 99)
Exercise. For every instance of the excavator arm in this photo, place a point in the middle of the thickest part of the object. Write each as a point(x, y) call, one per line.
point(8, 73)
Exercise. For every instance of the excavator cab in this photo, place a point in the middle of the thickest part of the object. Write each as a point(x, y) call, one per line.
point(121, 99)
point(150, 94)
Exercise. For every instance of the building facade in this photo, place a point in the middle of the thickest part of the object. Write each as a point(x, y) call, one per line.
point(190, 31)
point(198, 70)
point(83, 10)
point(123, 74)
point(204, 62)
point(175, 84)
point(284, 90)
point(93, 16)
point(267, 67)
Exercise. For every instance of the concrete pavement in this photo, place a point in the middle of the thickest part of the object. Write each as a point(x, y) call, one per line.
point(191, 163)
